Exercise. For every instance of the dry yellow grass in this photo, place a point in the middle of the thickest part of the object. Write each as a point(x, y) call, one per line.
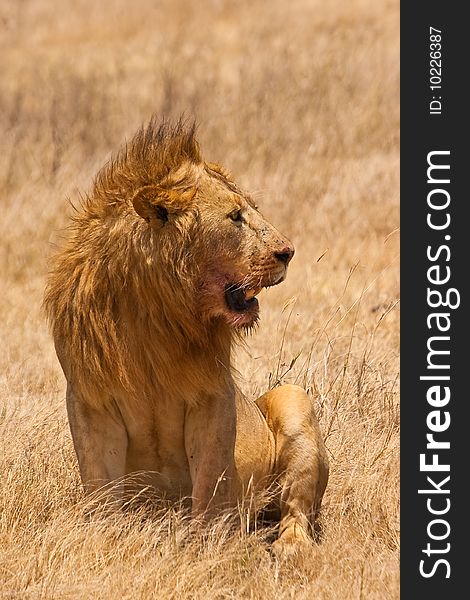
point(300, 100)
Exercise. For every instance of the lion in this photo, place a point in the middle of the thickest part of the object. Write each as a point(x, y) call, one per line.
point(145, 299)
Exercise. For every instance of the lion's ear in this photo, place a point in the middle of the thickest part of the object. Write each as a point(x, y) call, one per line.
point(158, 205)
point(147, 204)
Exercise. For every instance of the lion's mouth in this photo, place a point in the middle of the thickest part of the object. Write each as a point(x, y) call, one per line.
point(241, 299)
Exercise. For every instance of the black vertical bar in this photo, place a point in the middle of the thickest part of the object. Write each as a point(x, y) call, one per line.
point(442, 126)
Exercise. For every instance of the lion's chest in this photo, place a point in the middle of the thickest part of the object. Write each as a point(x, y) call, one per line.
point(156, 446)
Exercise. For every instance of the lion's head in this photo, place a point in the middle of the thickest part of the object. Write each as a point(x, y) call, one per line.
point(164, 261)
point(206, 227)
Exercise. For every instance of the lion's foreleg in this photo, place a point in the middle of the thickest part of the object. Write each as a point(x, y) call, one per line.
point(301, 463)
point(100, 441)
point(210, 430)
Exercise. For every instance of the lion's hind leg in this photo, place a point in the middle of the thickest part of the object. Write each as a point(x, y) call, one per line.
point(301, 463)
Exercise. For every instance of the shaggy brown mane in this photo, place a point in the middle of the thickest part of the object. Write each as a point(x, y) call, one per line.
point(156, 150)
point(102, 299)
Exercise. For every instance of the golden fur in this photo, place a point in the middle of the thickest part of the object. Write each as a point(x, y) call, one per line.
point(160, 272)
point(101, 294)
point(104, 295)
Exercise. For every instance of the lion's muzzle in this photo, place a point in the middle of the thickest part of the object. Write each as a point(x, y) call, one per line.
point(285, 254)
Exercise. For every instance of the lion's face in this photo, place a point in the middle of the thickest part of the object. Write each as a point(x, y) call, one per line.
point(213, 234)
point(240, 252)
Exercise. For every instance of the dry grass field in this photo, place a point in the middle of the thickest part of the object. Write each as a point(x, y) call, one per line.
point(299, 100)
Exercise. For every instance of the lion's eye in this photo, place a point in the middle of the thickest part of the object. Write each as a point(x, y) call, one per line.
point(236, 216)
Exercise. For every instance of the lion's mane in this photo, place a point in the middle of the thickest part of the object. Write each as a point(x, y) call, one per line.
point(119, 325)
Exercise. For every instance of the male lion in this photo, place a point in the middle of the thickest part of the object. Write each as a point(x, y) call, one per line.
point(159, 275)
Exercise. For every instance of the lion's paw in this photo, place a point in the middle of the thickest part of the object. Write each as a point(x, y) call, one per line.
point(293, 541)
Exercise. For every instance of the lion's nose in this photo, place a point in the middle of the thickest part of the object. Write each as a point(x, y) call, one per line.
point(285, 255)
